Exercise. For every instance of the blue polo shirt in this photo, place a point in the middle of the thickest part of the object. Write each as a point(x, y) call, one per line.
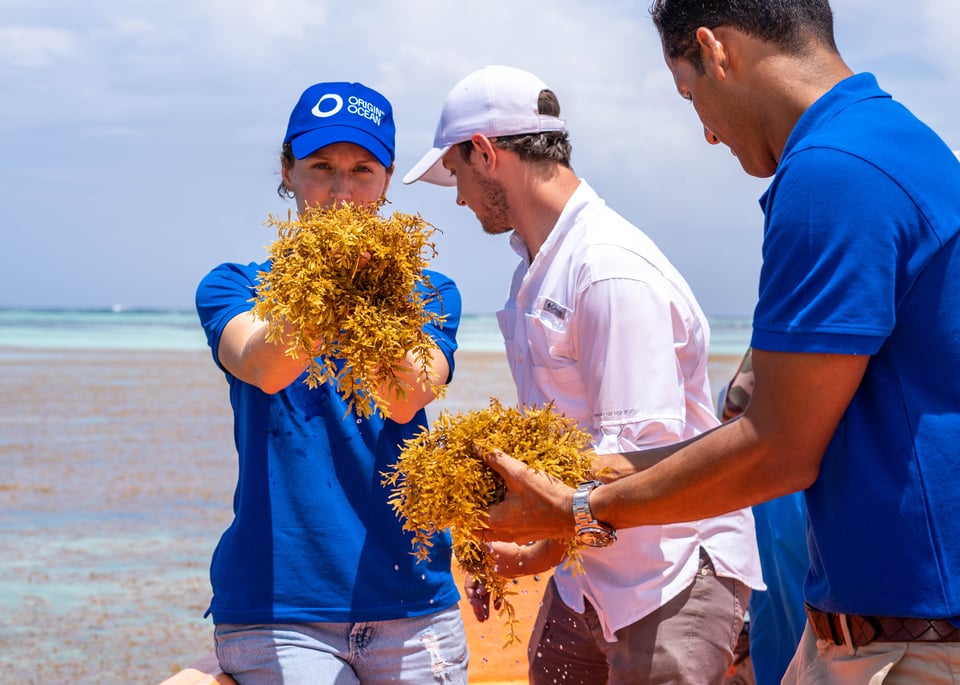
point(314, 538)
point(861, 256)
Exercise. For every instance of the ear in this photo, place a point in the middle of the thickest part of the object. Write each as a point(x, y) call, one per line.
point(713, 53)
point(485, 153)
point(285, 173)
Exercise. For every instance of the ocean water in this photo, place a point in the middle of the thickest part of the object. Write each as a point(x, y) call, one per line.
point(120, 329)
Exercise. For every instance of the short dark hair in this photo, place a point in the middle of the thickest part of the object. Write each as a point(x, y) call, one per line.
point(550, 146)
point(791, 24)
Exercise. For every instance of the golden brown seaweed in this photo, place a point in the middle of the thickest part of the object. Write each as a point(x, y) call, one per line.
point(441, 481)
point(341, 290)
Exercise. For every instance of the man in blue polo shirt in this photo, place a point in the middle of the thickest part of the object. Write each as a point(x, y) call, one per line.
point(856, 347)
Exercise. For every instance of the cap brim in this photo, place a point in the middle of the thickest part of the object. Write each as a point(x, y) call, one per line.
point(430, 169)
point(307, 143)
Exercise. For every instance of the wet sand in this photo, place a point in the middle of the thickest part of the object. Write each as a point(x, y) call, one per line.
point(116, 478)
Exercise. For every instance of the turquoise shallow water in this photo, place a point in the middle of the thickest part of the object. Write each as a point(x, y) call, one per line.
point(101, 329)
point(106, 329)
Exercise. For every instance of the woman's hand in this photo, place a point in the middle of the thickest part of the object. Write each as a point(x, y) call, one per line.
point(479, 598)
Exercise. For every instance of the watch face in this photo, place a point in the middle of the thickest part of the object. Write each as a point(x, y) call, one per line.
point(595, 536)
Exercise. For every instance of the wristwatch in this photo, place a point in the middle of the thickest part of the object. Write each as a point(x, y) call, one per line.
point(589, 531)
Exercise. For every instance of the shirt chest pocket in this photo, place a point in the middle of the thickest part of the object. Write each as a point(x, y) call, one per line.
point(550, 339)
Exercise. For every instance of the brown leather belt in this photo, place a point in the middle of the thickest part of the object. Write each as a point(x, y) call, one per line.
point(866, 629)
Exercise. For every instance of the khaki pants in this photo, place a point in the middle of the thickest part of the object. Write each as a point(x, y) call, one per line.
point(687, 641)
point(889, 663)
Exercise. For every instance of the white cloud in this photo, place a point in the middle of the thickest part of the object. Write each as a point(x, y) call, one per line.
point(259, 32)
point(34, 47)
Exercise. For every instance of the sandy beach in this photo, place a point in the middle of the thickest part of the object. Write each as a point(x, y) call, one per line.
point(117, 476)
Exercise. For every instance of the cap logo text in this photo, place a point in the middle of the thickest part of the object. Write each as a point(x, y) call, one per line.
point(364, 109)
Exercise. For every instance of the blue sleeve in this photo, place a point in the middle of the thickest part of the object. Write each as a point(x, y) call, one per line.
point(225, 292)
point(443, 297)
point(834, 227)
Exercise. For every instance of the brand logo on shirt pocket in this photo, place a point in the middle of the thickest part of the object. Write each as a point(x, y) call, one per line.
point(557, 310)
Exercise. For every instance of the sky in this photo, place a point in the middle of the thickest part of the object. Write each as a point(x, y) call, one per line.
point(139, 139)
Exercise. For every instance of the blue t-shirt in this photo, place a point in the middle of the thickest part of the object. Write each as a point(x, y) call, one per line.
point(313, 538)
point(861, 256)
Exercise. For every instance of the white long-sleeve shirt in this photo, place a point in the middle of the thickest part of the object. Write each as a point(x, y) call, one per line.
point(602, 324)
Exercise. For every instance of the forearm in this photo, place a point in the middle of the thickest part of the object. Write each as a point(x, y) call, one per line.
point(773, 448)
point(417, 386)
point(245, 352)
point(610, 467)
point(514, 560)
point(728, 468)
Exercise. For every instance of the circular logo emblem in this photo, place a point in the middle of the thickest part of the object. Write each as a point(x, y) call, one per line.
point(319, 111)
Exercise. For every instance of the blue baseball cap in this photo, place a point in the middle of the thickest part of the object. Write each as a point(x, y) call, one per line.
point(341, 112)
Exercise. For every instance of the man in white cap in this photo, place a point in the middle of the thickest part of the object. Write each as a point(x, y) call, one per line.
point(599, 322)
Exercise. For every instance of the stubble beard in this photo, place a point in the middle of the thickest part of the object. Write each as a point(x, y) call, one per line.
point(495, 217)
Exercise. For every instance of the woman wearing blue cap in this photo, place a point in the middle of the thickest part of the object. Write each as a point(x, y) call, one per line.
point(314, 580)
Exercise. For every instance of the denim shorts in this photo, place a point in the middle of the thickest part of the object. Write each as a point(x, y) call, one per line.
point(421, 650)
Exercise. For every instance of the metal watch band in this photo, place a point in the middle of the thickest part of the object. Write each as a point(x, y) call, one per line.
point(590, 531)
point(582, 515)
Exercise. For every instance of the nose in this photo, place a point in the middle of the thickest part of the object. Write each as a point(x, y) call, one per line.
point(710, 136)
point(461, 201)
point(340, 188)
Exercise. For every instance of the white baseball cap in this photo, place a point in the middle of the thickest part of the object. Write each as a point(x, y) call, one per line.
point(493, 101)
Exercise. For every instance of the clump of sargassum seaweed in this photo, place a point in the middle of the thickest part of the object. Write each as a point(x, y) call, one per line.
point(442, 481)
point(341, 291)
